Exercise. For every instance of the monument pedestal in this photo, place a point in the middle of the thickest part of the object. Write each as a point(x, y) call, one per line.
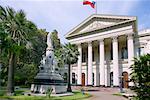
point(48, 78)
point(45, 81)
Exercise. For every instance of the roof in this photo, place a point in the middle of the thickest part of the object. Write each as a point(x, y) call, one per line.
point(101, 22)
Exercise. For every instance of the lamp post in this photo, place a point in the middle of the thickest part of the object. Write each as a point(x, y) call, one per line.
point(121, 89)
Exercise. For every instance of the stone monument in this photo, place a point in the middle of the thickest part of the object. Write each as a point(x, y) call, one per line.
point(48, 78)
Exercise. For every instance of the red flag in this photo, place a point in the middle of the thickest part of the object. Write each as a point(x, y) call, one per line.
point(89, 2)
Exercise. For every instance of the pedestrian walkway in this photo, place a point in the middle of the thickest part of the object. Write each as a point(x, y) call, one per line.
point(99, 93)
point(106, 94)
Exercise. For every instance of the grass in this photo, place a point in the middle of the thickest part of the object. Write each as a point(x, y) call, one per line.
point(17, 92)
point(76, 96)
point(2, 91)
point(117, 94)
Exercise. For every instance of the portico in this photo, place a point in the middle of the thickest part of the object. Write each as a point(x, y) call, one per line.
point(105, 44)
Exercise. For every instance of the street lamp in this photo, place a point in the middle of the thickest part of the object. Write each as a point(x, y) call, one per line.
point(121, 89)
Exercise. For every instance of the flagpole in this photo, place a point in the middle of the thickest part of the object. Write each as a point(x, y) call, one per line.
point(96, 7)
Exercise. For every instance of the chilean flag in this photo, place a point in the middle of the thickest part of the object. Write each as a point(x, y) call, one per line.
point(89, 2)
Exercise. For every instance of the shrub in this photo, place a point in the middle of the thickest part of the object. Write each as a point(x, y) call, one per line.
point(141, 76)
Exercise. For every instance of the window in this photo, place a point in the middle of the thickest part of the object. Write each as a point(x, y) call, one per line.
point(93, 56)
point(111, 52)
point(73, 78)
point(111, 79)
point(124, 53)
point(65, 77)
point(140, 51)
point(93, 78)
point(42, 68)
point(83, 57)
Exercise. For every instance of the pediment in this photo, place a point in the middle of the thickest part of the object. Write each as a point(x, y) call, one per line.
point(97, 22)
point(96, 25)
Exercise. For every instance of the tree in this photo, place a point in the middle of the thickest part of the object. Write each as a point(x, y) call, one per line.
point(29, 59)
point(18, 31)
point(141, 76)
point(55, 40)
point(57, 48)
point(69, 55)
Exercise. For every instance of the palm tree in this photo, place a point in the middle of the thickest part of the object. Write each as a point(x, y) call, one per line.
point(18, 30)
point(70, 56)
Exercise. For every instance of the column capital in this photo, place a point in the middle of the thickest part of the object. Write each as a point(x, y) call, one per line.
point(89, 42)
point(115, 38)
point(130, 36)
point(78, 44)
point(101, 40)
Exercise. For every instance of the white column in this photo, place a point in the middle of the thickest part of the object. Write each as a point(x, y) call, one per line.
point(115, 62)
point(86, 76)
point(130, 55)
point(71, 74)
point(79, 79)
point(102, 66)
point(107, 76)
point(97, 75)
point(90, 79)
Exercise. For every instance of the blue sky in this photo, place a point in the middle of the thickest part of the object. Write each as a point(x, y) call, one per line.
point(63, 15)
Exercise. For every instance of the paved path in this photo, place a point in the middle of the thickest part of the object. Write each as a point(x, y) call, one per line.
point(105, 94)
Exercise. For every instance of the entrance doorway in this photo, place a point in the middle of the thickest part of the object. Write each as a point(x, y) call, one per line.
point(125, 80)
point(83, 79)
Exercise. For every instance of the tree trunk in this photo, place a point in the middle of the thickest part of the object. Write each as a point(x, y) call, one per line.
point(69, 85)
point(10, 83)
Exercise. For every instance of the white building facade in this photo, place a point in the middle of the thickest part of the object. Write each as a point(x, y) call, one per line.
point(107, 45)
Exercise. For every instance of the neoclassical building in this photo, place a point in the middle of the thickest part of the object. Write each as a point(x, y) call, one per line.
point(107, 45)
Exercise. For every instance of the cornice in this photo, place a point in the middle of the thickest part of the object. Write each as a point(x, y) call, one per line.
point(125, 19)
point(120, 25)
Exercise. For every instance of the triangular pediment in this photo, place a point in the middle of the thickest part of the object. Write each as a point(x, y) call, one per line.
point(97, 22)
point(96, 25)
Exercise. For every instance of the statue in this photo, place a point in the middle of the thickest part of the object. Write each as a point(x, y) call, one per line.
point(49, 41)
point(47, 77)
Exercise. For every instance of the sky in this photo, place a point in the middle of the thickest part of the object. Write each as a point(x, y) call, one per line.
point(63, 15)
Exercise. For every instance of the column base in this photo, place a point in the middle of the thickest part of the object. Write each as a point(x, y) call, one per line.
point(97, 86)
point(102, 85)
point(79, 85)
point(107, 86)
point(115, 86)
point(89, 85)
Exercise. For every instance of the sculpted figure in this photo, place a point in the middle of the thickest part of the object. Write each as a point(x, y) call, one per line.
point(49, 40)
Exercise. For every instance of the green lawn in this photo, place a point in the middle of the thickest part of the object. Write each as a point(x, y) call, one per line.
point(117, 94)
point(76, 96)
